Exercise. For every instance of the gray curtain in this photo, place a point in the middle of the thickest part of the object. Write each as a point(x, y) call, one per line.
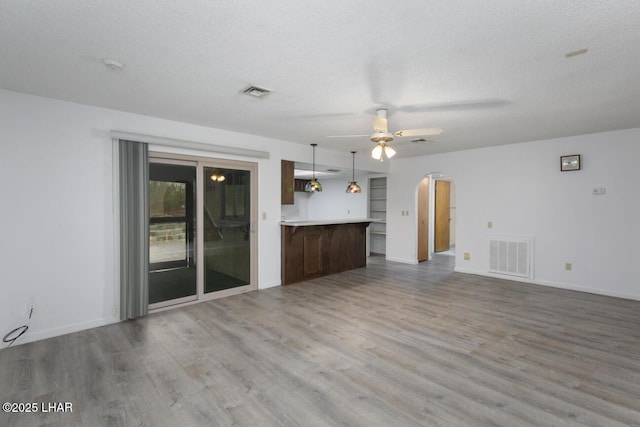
point(134, 229)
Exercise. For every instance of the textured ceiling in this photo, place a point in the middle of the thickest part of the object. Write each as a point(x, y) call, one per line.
point(487, 72)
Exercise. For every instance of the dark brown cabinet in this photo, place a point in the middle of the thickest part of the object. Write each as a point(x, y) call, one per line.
point(312, 249)
point(319, 250)
point(287, 169)
point(299, 185)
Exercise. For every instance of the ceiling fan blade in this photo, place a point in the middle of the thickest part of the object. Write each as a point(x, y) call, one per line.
point(419, 132)
point(346, 136)
point(477, 104)
point(417, 142)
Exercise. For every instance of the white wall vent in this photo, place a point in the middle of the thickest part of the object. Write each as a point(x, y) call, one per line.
point(511, 255)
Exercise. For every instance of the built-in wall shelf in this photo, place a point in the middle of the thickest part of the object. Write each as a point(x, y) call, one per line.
point(378, 212)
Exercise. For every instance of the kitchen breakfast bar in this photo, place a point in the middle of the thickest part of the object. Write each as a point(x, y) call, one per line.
point(312, 249)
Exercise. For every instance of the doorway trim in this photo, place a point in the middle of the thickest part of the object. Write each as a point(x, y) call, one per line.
point(423, 219)
point(433, 177)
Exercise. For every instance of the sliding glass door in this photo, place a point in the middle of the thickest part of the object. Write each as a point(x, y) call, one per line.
point(227, 228)
point(202, 229)
point(172, 215)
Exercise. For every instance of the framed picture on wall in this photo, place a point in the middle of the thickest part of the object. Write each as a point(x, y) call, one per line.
point(570, 163)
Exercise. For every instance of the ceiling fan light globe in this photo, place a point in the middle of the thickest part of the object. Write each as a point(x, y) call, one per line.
point(377, 152)
point(390, 152)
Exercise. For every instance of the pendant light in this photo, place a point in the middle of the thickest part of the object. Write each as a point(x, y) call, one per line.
point(381, 150)
point(217, 177)
point(353, 185)
point(313, 186)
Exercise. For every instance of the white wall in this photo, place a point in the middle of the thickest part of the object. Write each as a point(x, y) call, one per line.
point(520, 188)
point(334, 203)
point(452, 215)
point(57, 242)
point(300, 208)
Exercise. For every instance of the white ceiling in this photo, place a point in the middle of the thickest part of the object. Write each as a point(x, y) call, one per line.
point(488, 72)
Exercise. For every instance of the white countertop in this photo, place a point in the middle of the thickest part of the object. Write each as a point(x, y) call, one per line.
point(306, 223)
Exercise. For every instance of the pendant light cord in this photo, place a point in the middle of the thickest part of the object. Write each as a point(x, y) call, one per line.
point(353, 167)
point(314, 161)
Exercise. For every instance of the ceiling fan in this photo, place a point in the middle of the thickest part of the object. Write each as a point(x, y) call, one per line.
point(382, 137)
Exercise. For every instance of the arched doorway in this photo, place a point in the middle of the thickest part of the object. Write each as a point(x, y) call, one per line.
point(436, 216)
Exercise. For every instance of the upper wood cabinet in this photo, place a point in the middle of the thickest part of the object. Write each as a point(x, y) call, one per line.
point(287, 182)
point(299, 185)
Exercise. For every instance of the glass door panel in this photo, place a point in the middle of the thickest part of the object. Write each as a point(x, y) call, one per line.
point(227, 228)
point(172, 261)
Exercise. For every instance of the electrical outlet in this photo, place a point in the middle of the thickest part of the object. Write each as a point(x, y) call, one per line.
point(599, 191)
point(467, 256)
point(568, 266)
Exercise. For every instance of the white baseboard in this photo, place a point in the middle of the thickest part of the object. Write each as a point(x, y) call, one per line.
point(269, 285)
point(560, 285)
point(572, 287)
point(54, 332)
point(403, 260)
point(30, 336)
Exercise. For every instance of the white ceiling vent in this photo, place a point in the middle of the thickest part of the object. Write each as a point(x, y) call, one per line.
point(256, 92)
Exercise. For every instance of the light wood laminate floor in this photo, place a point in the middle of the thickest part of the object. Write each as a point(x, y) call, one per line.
point(385, 345)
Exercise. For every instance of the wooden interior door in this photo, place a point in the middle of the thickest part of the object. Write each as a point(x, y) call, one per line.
point(423, 220)
point(443, 212)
